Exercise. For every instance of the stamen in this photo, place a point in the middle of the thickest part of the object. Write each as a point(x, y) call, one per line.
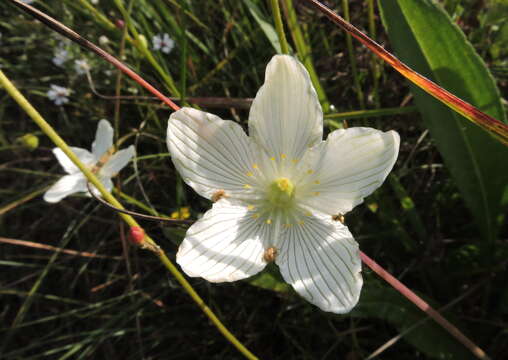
point(301, 222)
point(250, 207)
point(247, 186)
point(316, 193)
point(317, 182)
point(255, 216)
point(272, 158)
point(219, 194)
point(254, 166)
point(310, 171)
point(269, 221)
point(338, 217)
point(283, 156)
point(294, 161)
point(270, 254)
point(249, 173)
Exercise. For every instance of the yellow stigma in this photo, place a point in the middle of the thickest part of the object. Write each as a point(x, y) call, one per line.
point(281, 192)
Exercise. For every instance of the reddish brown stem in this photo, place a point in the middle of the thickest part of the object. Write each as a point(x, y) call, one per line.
point(429, 310)
point(70, 34)
point(467, 110)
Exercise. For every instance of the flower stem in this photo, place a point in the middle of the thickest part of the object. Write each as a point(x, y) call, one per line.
point(279, 26)
point(304, 52)
point(426, 308)
point(148, 242)
point(352, 58)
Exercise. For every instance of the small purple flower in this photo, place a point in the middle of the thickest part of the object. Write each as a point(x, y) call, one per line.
point(58, 94)
point(163, 43)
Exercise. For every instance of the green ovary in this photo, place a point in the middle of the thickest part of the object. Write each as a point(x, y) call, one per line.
point(281, 193)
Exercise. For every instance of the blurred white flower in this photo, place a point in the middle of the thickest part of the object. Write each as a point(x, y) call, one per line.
point(81, 66)
point(60, 56)
point(94, 2)
point(103, 40)
point(101, 161)
point(163, 43)
point(58, 94)
point(280, 193)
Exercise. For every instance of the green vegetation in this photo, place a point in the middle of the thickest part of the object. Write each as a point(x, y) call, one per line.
point(73, 286)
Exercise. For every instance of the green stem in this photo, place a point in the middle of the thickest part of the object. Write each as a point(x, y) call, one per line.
point(148, 242)
point(279, 26)
point(304, 53)
point(357, 114)
point(352, 59)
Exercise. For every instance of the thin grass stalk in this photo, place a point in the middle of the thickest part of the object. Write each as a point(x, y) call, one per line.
point(352, 59)
point(147, 242)
point(497, 128)
point(72, 35)
point(424, 306)
point(374, 66)
point(304, 53)
point(279, 26)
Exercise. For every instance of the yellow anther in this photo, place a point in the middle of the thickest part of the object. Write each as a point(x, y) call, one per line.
point(254, 166)
point(269, 221)
point(283, 156)
point(294, 161)
point(317, 182)
point(308, 213)
point(250, 207)
point(249, 174)
point(310, 171)
point(272, 158)
point(301, 222)
point(247, 186)
point(255, 216)
point(316, 193)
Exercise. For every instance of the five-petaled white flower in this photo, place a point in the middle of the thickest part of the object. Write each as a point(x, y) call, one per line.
point(58, 94)
point(101, 161)
point(280, 192)
point(163, 43)
point(81, 66)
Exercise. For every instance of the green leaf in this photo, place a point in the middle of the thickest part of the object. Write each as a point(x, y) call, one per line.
point(270, 279)
point(423, 333)
point(265, 24)
point(425, 38)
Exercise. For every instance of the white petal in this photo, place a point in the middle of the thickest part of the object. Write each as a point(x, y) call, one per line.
point(103, 138)
point(226, 244)
point(84, 155)
point(106, 181)
point(117, 162)
point(320, 259)
point(347, 167)
point(68, 184)
point(212, 154)
point(286, 117)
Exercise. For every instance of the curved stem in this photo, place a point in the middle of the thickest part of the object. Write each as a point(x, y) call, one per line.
point(147, 242)
point(424, 306)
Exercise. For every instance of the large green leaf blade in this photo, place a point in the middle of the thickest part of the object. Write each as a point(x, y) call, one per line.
point(425, 38)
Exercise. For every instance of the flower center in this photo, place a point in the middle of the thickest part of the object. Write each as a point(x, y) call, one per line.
point(281, 192)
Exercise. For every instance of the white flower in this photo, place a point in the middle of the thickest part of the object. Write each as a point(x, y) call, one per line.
point(81, 66)
point(163, 43)
point(278, 193)
point(58, 94)
point(101, 161)
point(60, 56)
point(103, 40)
